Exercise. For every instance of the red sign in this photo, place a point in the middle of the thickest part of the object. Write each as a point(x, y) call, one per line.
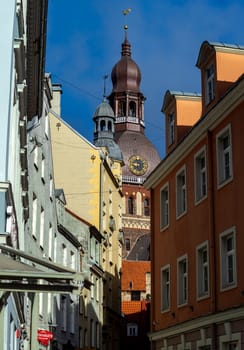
point(44, 336)
point(17, 333)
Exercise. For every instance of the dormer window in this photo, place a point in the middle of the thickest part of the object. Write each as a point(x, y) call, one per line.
point(171, 128)
point(210, 84)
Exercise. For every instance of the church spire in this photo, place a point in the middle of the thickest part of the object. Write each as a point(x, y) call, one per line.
point(126, 98)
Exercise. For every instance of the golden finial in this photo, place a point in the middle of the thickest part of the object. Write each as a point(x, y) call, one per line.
point(125, 13)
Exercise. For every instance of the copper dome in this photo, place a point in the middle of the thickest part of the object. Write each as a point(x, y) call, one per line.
point(126, 74)
point(135, 143)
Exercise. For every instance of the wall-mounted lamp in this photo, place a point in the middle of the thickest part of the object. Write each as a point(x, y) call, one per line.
point(58, 125)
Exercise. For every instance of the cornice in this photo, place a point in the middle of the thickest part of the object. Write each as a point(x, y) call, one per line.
point(200, 322)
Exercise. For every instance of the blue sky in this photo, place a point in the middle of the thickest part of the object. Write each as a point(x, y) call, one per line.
point(84, 42)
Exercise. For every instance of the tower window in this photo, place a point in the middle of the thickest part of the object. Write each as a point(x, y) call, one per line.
point(109, 126)
point(103, 125)
point(146, 207)
point(121, 109)
point(132, 109)
point(130, 205)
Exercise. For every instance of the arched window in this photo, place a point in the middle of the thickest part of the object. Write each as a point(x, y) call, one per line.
point(102, 125)
point(132, 109)
point(130, 205)
point(121, 109)
point(146, 207)
point(109, 126)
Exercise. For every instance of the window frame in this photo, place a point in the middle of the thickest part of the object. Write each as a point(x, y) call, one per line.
point(164, 221)
point(171, 128)
point(200, 265)
point(198, 172)
point(165, 289)
point(182, 208)
point(210, 83)
point(224, 255)
point(132, 328)
point(222, 179)
point(182, 277)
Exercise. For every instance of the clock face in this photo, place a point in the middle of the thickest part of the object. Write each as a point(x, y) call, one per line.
point(138, 165)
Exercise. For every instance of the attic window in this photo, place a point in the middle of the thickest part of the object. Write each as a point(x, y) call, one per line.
point(209, 84)
point(171, 128)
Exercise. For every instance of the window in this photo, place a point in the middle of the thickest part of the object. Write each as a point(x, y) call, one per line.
point(72, 317)
point(34, 216)
point(165, 288)
point(102, 125)
point(130, 205)
point(132, 108)
point(171, 128)
point(228, 259)
point(135, 295)
point(43, 168)
point(182, 281)
point(181, 192)
point(202, 270)
point(209, 84)
point(72, 260)
point(51, 187)
point(164, 207)
point(97, 252)
point(230, 341)
point(42, 227)
point(231, 346)
point(64, 254)
point(224, 156)
point(121, 109)
point(132, 330)
point(97, 292)
point(92, 285)
point(41, 296)
point(63, 312)
point(200, 176)
point(146, 207)
point(127, 244)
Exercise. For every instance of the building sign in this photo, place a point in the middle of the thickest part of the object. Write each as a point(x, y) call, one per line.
point(44, 336)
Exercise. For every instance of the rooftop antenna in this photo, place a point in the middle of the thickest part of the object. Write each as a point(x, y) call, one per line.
point(105, 77)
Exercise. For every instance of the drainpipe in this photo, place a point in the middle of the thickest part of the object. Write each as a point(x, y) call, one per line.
point(212, 233)
point(102, 157)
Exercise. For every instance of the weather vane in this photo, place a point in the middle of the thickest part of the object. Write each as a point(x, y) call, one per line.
point(125, 13)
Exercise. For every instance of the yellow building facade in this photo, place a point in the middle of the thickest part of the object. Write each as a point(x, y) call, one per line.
point(91, 181)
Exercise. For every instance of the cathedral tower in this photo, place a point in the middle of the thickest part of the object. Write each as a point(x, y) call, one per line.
point(139, 154)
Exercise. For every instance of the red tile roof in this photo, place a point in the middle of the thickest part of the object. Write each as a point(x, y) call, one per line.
point(133, 307)
point(134, 275)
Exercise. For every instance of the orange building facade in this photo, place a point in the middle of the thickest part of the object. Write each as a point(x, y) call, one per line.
point(197, 212)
